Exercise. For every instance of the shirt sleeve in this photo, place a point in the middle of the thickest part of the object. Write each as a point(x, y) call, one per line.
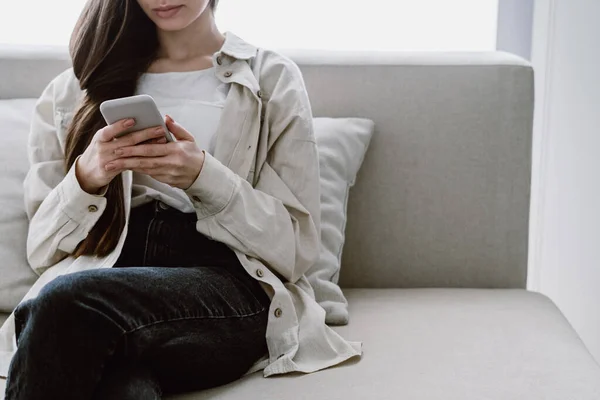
point(60, 212)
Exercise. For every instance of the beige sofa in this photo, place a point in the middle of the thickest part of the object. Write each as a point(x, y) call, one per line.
point(435, 262)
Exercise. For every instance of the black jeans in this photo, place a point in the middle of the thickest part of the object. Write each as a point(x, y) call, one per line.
point(178, 313)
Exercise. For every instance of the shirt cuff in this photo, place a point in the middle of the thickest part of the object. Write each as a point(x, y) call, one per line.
point(213, 189)
point(81, 206)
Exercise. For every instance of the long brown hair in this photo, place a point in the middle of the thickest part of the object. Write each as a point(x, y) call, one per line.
point(113, 44)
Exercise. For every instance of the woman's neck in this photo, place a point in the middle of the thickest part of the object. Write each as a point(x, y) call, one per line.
point(199, 40)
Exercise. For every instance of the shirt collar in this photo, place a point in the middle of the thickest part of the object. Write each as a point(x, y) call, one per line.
point(238, 48)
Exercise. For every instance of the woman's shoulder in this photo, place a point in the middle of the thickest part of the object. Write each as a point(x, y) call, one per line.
point(277, 69)
point(276, 58)
point(64, 90)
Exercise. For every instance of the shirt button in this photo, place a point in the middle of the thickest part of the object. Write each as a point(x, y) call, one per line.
point(228, 74)
point(260, 273)
point(196, 199)
point(259, 94)
point(220, 60)
point(278, 312)
point(92, 208)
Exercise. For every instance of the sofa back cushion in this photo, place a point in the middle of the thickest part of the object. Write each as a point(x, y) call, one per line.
point(442, 199)
point(16, 276)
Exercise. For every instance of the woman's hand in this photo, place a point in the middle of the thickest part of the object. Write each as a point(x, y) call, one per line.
point(177, 164)
point(91, 169)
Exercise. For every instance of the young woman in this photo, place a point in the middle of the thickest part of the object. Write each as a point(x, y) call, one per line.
point(168, 267)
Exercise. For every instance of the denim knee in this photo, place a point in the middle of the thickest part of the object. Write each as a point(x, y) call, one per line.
point(53, 301)
point(60, 293)
point(22, 314)
point(62, 299)
point(128, 381)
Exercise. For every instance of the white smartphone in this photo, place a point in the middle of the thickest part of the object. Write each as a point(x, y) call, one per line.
point(142, 108)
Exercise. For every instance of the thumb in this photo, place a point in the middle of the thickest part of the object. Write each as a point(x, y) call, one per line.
point(178, 131)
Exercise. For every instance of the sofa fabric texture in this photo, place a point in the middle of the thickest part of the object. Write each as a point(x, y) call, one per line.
point(443, 344)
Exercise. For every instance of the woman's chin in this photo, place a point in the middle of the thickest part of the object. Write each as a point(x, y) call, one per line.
point(171, 25)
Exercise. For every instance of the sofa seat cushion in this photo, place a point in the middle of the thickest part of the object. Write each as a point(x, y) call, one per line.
point(450, 344)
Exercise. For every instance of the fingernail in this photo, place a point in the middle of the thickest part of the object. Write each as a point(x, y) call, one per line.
point(119, 152)
point(129, 123)
point(159, 130)
point(169, 118)
point(110, 167)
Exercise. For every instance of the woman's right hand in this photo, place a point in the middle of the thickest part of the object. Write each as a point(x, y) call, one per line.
point(90, 167)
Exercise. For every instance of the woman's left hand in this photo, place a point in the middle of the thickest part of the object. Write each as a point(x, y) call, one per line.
point(177, 164)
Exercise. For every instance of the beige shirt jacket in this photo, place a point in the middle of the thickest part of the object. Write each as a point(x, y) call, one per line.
point(258, 193)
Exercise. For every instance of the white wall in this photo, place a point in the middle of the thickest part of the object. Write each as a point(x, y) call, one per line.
point(468, 25)
point(565, 240)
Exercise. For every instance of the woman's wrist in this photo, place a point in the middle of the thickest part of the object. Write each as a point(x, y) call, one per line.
point(84, 181)
point(195, 173)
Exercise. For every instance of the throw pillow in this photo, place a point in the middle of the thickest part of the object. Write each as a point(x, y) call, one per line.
point(342, 144)
point(16, 275)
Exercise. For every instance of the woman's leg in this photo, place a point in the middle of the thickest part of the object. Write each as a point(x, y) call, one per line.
point(128, 381)
point(194, 328)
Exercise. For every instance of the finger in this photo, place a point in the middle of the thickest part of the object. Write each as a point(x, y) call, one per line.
point(177, 130)
point(135, 163)
point(161, 140)
point(159, 176)
point(138, 137)
point(164, 169)
point(145, 150)
point(109, 132)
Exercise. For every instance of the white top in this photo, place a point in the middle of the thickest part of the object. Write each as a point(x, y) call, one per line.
point(195, 100)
